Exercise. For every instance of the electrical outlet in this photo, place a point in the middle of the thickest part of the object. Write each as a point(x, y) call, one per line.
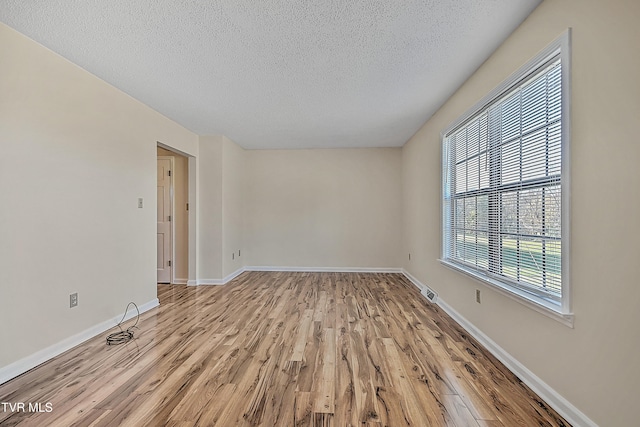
point(140, 202)
point(73, 300)
point(478, 296)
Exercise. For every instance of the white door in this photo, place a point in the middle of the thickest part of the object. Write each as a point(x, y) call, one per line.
point(164, 220)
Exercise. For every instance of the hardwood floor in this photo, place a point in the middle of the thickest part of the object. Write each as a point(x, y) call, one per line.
point(283, 349)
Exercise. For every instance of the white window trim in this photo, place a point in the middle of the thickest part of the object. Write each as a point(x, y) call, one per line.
point(561, 312)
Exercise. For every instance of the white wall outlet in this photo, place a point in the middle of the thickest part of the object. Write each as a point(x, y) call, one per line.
point(73, 300)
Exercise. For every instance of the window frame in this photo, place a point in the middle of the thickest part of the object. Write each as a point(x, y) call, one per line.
point(558, 310)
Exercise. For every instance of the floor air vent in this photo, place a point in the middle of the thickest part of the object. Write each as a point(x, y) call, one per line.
point(429, 294)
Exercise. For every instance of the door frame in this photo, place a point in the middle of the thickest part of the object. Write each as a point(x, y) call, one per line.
point(172, 209)
point(192, 199)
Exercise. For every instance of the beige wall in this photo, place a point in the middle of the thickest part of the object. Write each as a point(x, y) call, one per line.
point(323, 208)
point(209, 222)
point(220, 212)
point(594, 364)
point(233, 214)
point(296, 208)
point(181, 221)
point(81, 153)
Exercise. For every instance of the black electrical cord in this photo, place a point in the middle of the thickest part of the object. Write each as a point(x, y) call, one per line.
point(122, 337)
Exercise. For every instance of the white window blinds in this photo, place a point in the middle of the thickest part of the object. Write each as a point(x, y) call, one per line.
point(502, 186)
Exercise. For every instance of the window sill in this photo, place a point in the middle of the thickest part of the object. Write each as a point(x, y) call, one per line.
point(534, 302)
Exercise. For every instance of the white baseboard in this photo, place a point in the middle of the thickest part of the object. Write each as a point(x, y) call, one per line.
point(209, 282)
point(326, 269)
point(233, 275)
point(27, 363)
point(426, 292)
point(572, 414)
point(177, 281)
point(413, 280)
point(218, 282)
point(230, 277)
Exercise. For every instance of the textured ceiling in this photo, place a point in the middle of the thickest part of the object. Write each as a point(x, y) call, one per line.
point(279, 73)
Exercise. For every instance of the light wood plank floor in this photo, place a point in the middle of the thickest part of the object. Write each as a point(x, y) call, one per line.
point(283, 349)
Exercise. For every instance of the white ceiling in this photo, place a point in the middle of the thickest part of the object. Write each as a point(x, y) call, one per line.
point(279, 73)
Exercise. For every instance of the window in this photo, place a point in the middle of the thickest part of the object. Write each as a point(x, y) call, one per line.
point(504, 185)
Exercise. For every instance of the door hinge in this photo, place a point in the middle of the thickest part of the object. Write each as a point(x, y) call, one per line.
point(169, 219)
point(169, 263)
point(187, 206)
point(169, 172)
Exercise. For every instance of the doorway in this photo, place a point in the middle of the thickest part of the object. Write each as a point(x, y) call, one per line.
point(165, 213)
point(173, 217)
